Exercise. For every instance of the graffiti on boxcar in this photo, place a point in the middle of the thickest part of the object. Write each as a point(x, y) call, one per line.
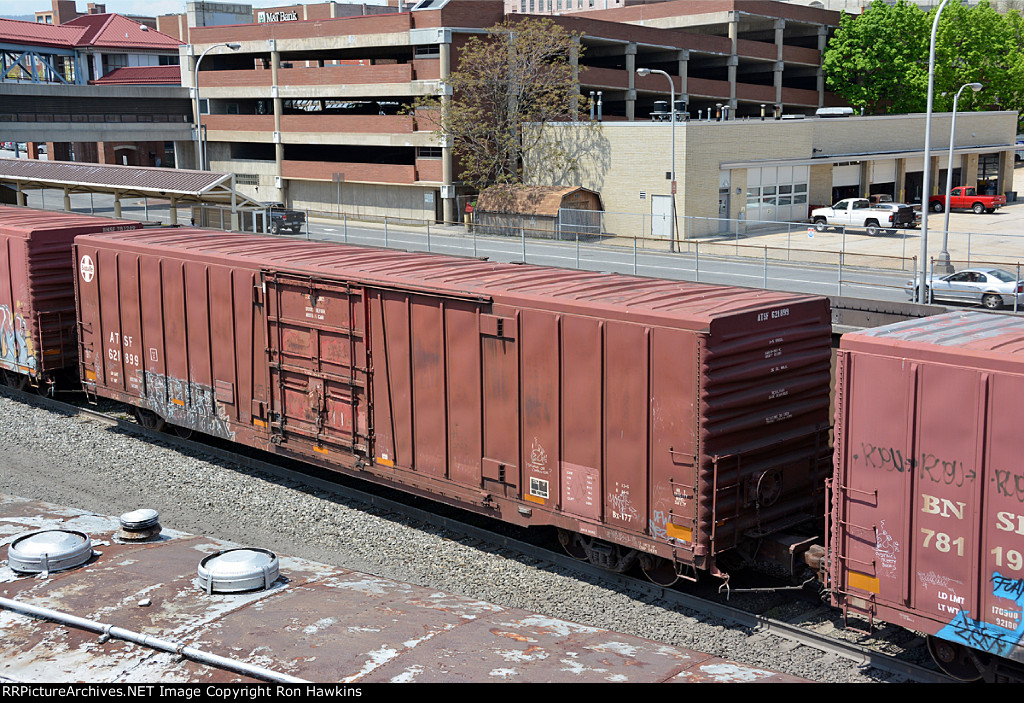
point(538, 459)
point(188, 405)
point(16, 346)
point(886, 549)
point(1009, 484)
point(662, 504)
point(621, 503)
point(997, 639)
point(950, 472)
point(939, 580)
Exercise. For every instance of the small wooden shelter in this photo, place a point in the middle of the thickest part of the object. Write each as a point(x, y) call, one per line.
point(549, 212)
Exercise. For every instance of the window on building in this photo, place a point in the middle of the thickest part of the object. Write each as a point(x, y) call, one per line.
point(170, 61)
point(112, 62)
point(247, 179)
point(428, 152)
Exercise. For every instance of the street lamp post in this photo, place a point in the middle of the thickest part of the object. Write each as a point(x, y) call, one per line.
point(944, 262)
point(199, 117)
point(672, 97)
point(927, 185)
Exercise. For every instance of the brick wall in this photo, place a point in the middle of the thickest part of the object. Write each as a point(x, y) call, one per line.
point(238, 123)
point(428, 169)
point(358, 124)
point(372, 173)
point(369, 24)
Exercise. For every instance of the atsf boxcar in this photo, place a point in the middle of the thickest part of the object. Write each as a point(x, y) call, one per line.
point(673, 422)
point(928, 496)
point(37, 298)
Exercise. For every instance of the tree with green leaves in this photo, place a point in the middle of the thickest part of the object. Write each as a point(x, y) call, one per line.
point(874, 59)
point(521, 74)
point(878, 60)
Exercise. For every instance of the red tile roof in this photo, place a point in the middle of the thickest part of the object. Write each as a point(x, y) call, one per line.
point(38, 34)
point(141, 75)
point(113, 30)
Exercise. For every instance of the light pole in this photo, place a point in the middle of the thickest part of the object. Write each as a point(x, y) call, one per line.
point(944, 254)
point(672, 96)
point(927, 185)
point(199, 117)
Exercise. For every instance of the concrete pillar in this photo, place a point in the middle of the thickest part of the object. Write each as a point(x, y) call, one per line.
point(21, 195)
point(174, 211)
point(67, 200)
point(195, 103)
point(822, 40)
point(935, 186)
point(733, 63)
point(778, 82)
point(117, 204)
point(448, 205)
point(901, 181)
point(280, 187)
point(684, 71)
point(734, 60)
point(865, 179)
point(631, 77)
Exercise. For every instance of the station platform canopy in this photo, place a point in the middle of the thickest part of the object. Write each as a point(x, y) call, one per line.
point(179, 186)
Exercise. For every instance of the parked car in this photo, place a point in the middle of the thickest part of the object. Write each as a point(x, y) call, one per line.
point(1018, 155)
point(967, 198)
point(990, 287)
point(283, 219)
point(859, 212)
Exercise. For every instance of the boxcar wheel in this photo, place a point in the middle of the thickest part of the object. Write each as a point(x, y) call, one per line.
point(15, 380)
point(658, 570)
point(183, 432)
point(960, 662)
point(149, 419)
point(571, 544)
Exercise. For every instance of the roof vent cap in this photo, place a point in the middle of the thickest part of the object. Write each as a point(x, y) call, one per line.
point(236, 570)
point(139, 525)
point(49, 550)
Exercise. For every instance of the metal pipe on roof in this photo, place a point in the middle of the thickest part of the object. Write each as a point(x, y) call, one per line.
point(162, 645)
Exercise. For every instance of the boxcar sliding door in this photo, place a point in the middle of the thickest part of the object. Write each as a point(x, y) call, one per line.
point(318, 363)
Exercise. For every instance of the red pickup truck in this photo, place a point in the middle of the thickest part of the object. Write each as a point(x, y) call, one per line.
point(967, 198)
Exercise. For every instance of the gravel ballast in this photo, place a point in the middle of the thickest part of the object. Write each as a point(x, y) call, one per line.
point(79, 462)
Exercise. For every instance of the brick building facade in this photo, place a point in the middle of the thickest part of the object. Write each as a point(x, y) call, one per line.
point(312, 111)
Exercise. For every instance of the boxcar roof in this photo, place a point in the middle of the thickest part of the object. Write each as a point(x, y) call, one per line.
point(23, 222)
point(458, 276)
point(951, 336)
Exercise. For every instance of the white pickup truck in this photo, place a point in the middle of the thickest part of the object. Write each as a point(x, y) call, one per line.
point(859, 212)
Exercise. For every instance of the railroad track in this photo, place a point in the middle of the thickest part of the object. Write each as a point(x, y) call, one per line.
point(760, 625)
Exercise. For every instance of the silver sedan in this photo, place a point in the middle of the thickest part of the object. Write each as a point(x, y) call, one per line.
point(990, 287)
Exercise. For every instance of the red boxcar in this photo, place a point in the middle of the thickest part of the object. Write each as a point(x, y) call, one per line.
point(37, 291)
point(671, 420)
point(927, 527)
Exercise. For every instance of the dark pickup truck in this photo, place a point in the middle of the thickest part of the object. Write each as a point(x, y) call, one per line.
point(284, 220)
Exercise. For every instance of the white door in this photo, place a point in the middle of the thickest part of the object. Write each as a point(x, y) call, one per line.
point(661, 216)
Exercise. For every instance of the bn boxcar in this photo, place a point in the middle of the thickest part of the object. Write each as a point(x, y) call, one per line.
point(670, 422)
point(37, 295)
point(927, 524)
